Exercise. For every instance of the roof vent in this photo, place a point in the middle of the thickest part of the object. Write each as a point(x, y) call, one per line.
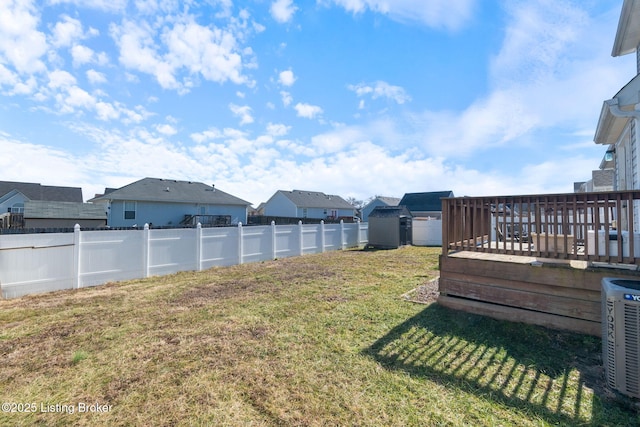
point(167, 189)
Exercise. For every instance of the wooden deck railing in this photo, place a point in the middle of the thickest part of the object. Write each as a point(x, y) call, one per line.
point(599, 227)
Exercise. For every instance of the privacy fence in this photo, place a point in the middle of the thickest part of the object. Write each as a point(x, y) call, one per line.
point(34, 263)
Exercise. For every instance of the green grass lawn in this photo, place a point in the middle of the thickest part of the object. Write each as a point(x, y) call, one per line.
point(315, 340)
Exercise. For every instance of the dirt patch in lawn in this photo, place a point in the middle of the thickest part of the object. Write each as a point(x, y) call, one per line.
point(425, 293)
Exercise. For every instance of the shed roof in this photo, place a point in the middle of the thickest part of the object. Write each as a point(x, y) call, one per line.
point(425, 202)
point(63, 210)
point(34, 191)
point(171, 191)
point(316, 199)
point(390, 211)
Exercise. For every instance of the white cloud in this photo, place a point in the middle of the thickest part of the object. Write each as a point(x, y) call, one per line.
point(244, 112)
point(81, 55)
point(287, 99)
point(277, 129)
point(206, 135)
point(381, 89)
point(308, 111)
point(106, 111)
point(66, 32)
point(166, 129)
point(212, 53)
point(21, 44)
point(286, 78)
point(22, 159)
point(449, 14)
point(95, 77)
point(60, 79)
point(105, 5)
point(282, 10)
point(138, 52)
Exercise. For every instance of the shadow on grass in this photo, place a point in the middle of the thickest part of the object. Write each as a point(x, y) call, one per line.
point(536, 370)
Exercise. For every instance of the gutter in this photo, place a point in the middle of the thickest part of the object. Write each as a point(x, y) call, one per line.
point(615, 110)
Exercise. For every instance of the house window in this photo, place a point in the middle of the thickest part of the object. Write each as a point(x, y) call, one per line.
point(129, 210)
point(17, 208)
point(304, 212)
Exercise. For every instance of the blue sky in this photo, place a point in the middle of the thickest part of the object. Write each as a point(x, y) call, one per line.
point(350, 97)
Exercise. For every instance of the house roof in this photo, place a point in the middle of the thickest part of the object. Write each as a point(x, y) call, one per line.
point(316, 199)
point(35, 191)
point(389, 201)
point(171, 191)
point(423, 202)
point(628, 33)
point(63, 210)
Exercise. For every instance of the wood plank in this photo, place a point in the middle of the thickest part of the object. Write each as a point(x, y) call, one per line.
point(562, 306)
point(535, 288)
point(520, 315)
point(573, 278)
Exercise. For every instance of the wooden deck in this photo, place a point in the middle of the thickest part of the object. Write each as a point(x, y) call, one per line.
point(561, 294)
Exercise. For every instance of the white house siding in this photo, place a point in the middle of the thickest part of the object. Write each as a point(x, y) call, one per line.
point(626, 171)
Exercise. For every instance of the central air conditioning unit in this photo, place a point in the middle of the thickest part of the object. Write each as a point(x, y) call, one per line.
point(621, 334)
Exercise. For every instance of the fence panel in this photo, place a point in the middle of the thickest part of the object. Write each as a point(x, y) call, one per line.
point(219, 247)
point(312, 238)
point(332, 237)
point(287, 241)
point(351, 234)
point(111, 256)
point(172, 250)
point(257, 243)
point(33, 263)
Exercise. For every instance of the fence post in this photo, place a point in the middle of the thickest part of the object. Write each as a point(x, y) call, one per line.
point(322, 238)
point(199, 245)
point(274, 251)
point(342, 245)
point(146, 243)
point(240, 243)
point(76, 256)
point(300, 237)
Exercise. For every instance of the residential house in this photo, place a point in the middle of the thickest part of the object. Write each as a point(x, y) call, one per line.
point(378, 201)
point(170, 203)
point(426, 205)
point(619, 117)
point(601, 179)
point(308, 204)
point(44, 214)
point(14, 195)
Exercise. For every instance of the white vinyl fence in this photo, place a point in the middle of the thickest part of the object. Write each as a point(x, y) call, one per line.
point(426, 232)
point(34, 263)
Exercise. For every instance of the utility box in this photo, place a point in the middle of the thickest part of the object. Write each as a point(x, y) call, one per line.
point(621, 334)
point(389, 227)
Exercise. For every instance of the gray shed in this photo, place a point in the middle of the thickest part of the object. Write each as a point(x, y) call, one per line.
point(389, 227)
